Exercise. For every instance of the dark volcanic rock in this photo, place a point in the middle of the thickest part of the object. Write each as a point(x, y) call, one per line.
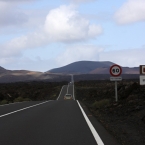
point(143, 119)
point(34, 91)
point(125, 119)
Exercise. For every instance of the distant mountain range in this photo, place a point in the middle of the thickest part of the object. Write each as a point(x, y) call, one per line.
point(91, 67)
point(62, 73)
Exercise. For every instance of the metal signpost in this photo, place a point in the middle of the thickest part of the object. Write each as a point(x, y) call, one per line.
point(115, 71)
point(142, 74)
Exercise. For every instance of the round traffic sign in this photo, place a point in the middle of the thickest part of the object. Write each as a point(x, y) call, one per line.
point(115, 70)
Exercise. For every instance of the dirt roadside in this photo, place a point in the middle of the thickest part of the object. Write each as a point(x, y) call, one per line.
point(125, 120)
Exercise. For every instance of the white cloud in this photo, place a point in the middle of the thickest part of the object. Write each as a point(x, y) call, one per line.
point(11, 15)
point(130, 58)
point(26, 63)
point(131, 11)
point(79, 52)
point(65, 24)
point(17, 45)
point(126, 57)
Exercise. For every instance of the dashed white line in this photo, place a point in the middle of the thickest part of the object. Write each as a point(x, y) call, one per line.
point(67, 88)
point(73, 92)
point(95, 134)
point(60, 92)
point(23, 109)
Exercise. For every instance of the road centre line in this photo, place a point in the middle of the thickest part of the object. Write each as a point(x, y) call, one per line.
point(60, 93)
point(23, 109)
point(94, 132)
point(67, 88)
point(73, 92)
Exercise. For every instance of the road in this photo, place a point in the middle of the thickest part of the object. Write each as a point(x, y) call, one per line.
point(57, 122)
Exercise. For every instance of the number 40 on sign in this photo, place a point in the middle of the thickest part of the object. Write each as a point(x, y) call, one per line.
point(115, 70)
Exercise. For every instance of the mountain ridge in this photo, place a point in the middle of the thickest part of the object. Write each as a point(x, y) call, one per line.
point(82, 67)
point(91, 67)
point(63, 73)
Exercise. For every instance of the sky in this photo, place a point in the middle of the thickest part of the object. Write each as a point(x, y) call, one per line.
point(40, 35)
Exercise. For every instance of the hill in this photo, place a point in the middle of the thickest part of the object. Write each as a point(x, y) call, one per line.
point(83, 70)
point(91, 67)
point(82, 67)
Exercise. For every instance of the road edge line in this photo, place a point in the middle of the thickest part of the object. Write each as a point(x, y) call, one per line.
point(23, 109)
point(94, 132)
point(60, 92)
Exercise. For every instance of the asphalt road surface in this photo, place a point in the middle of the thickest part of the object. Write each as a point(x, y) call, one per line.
point(59, 122)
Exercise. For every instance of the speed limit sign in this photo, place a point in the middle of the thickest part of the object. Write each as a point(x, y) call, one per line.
point(115, 70)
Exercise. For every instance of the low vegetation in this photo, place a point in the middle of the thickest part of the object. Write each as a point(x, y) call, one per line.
point(124, 119)
point(100, 104)
point(29, 91)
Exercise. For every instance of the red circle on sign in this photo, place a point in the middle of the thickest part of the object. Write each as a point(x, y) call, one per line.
point(115, 65)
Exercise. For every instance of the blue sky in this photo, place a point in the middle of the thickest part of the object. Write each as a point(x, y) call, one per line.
point(40, 35)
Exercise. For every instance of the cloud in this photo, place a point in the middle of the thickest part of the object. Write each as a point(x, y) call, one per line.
point(17, 45)
point(65, 24)
point(16, 15)
point(78, 53)
point(12, 18)
point(11, 15)
point(130, 58)
point(131, 11)
point(126, 57)
point(26, 63)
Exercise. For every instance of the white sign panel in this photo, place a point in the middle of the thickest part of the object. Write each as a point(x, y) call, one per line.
point(142, 80)
point(115, 78)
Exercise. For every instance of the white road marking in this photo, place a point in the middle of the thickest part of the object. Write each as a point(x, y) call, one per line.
point(67, 88)
point(95, 134)
point(73, 87)
point(60, 93)
point(73, 92)
point(23, 109)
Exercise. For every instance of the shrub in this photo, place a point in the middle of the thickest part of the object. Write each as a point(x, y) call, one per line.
point(100, 104)
point(19, 99)
point(3, 102)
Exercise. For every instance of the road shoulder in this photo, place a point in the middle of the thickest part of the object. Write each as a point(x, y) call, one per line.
point(107, 138)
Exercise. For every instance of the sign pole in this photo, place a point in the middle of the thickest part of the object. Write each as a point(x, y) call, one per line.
point(115, 71)
point(116, 91)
